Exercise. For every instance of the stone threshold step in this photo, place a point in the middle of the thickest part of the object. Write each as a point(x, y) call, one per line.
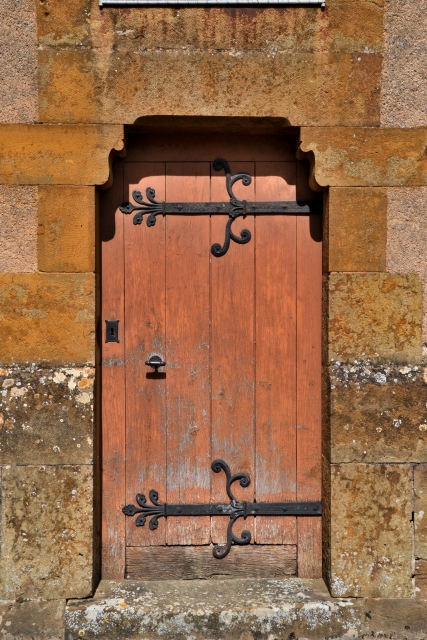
point(241, 609)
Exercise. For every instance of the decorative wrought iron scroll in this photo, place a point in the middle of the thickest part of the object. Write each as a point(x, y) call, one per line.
point(234, 509)
point(235, 208)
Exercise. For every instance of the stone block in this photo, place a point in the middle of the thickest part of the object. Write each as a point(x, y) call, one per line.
point(46, 415)
point(18, 61)
point(47, 527)
point(403, 96)
point(420, 511)
point(58, 154)
point(48, 317)
point(407, 236)
point(376, 317)
point(32, 619)
point(357, 229)
point(354, 25)
point(66, 232)
point(303, 88)
point(378, 413)
point(371, 534)
point(366, 157)
point(421, 578)
point(18, 232)
point(397, 619)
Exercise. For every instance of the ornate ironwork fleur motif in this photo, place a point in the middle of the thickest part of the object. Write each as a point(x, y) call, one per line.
point(234, 509)
point(235, 208)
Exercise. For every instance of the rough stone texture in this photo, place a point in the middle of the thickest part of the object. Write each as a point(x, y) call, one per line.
point(48, 317)
point(356, 238)
point(378, 413)
point(375, 316)
point(18, 61)
point(421, 578)
point(354, 25)
point(420, 511)
point(66, 233)
point(34, 619)
point(18, 245)
point(56, 154)
point(46, 415)
point(244, 609)
point(307, 89)
point(371, 545)
point(404, 77)
point(407, 237)
point(396, 619)
point(47, 533)
point(358, 157)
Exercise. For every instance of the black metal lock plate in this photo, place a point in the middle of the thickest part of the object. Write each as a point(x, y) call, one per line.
point(112, 331)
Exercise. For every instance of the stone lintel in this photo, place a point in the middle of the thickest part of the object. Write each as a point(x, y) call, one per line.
point(77, 154)
point(366, 156)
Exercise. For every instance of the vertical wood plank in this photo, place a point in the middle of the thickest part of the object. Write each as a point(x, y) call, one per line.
point(145, 336)
point(309, 309)
point(113, 383)
point(275, 352)
point(188, 342)
point(233, 433)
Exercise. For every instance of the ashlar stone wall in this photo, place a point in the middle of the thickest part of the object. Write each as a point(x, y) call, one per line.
point(352, 78)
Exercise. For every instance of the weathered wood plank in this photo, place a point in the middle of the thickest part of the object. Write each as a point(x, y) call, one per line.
point(198, 563)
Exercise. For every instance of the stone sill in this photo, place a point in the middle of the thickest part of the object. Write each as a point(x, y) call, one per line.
point(242, 609)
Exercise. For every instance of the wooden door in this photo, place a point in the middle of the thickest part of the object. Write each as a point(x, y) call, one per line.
point(241, 339)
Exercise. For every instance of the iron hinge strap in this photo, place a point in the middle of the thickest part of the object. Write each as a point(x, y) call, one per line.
point(234, 208)
point(234, 509)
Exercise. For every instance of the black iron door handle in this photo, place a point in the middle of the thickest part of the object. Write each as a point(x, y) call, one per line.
point(155, 362)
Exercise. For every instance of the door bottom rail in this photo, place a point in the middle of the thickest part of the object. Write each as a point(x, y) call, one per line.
point(234, 509)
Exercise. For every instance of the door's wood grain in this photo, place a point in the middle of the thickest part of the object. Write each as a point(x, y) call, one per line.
point(113, 383)
point(188, 346)
point(275, 353)
point(233, 353)
point(198, 563)
point(309, 308)
point(145, 335)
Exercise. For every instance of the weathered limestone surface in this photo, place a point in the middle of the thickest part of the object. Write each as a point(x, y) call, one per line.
point(356, 240)
point(375, 316)
point(378, 413)
point(47, 317)
point(18, 61)
point(46, 415)
point(66, 231)
point(56, 154)
point(307, 89)
point(396, 619)
point(354, 25)
point(404, 77)
point(206, 610)
point(371, 157)
point(371, 546)
point(18, 230)
point(35, 619)
point(420, 511)
point(407, 236)
point(47, 533)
